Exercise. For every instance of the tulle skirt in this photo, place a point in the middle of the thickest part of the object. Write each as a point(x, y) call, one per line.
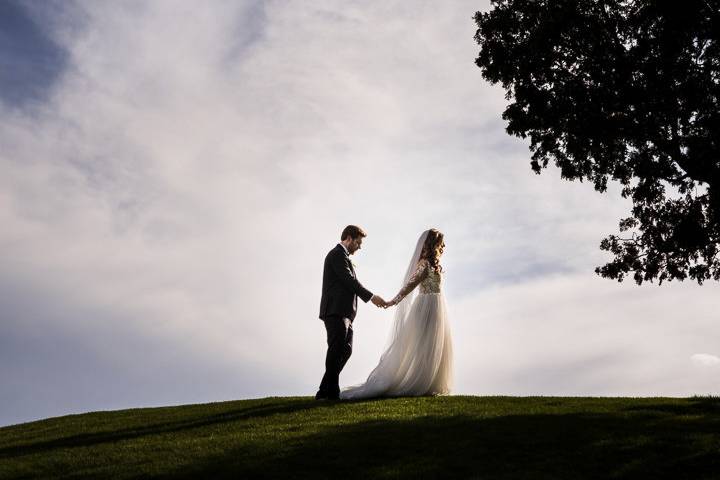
point(418, 359)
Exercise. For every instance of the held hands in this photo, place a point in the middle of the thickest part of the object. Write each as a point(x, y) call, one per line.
point(381, 303)
point(378, 301)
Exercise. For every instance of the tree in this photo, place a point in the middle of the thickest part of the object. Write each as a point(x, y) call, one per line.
point(625, 90)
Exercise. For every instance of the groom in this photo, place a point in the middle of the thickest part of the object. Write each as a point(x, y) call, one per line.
point(338, 306)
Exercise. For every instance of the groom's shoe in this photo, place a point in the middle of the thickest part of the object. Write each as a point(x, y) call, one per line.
point(323, 396)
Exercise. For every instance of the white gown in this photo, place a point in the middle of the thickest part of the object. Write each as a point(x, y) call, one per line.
point(418, 359)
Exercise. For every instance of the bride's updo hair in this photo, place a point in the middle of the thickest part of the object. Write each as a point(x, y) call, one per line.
point(433, 249)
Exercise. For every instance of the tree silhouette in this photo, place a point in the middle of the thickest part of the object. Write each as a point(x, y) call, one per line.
point(628, 91)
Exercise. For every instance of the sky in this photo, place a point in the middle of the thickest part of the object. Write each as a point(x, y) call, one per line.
point(174, 173)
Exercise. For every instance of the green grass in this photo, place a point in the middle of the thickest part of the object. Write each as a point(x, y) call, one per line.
point(427, 437)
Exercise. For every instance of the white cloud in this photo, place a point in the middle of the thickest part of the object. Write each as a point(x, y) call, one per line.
point(705, 360)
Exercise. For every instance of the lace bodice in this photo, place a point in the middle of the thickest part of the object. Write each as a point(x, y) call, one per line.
point(425, 276)
point(431, 282)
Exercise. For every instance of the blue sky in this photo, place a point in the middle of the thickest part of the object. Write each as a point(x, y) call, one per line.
point(174, 174)
point(30, 61)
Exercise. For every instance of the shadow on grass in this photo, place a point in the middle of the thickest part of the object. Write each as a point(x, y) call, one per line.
point(696, 406)
point(683, 443)
point(114, 435)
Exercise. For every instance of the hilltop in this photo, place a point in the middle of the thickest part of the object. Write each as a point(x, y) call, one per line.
point(430, 437)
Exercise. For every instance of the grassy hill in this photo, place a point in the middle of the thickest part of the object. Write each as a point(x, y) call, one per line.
point(428, 437)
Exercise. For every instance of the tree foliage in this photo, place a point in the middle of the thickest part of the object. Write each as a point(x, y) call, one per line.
point(625, 91)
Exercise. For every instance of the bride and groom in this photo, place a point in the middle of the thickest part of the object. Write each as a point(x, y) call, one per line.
point(418, 357)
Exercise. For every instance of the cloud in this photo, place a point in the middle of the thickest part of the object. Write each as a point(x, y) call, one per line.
point(705, 360)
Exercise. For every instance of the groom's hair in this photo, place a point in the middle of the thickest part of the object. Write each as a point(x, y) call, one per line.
point(353, 232)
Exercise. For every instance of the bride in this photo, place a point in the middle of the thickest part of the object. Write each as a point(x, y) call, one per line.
point(418, 357)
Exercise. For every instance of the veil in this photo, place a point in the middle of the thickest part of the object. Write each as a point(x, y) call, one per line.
point(403, 308)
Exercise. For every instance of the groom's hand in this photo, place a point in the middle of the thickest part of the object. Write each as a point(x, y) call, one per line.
point(378, 301)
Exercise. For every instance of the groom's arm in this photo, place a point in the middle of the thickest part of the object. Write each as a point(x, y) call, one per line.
point(339, 265)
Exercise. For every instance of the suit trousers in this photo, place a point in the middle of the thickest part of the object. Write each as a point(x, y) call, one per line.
point(339, 340)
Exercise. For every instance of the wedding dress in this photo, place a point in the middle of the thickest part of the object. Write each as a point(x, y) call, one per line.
point(418, 357)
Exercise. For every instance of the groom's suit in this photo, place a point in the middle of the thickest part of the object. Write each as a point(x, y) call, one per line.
point(340, 288)
point(338, 307)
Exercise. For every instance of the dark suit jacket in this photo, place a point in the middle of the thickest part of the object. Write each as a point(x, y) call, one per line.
point(340, 288)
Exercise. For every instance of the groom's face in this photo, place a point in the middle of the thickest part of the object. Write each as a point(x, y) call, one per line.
point(354, 245)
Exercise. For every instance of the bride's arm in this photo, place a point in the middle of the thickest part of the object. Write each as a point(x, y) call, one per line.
point(420, 273)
